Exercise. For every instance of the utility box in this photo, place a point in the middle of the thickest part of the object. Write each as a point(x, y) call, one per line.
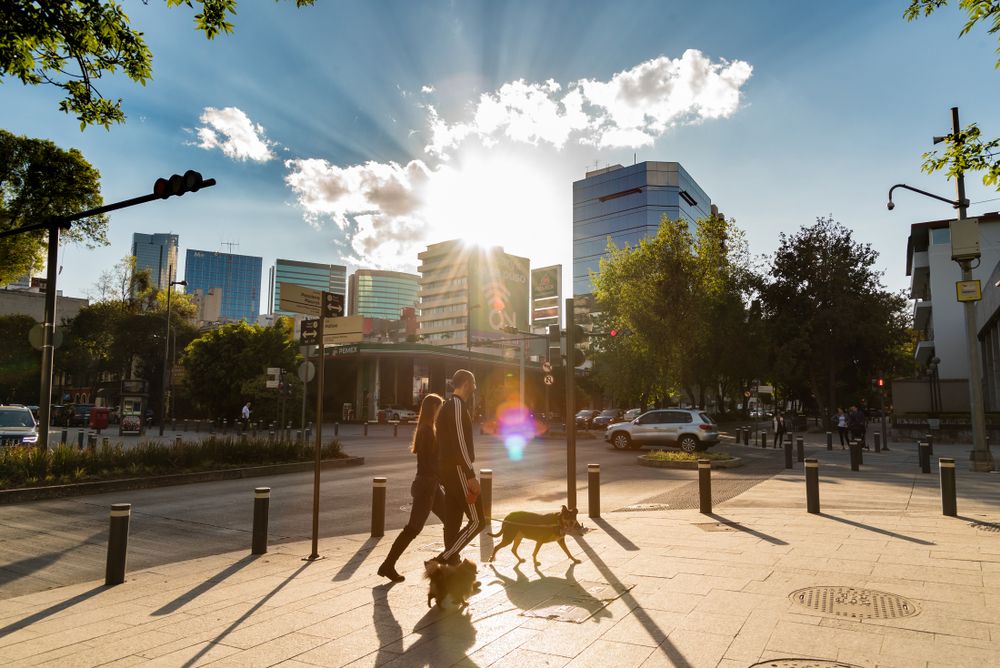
point(99, 417)
point(964, 239)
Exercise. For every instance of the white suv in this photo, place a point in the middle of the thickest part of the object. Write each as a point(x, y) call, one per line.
point(17, 426)
point(690, 430)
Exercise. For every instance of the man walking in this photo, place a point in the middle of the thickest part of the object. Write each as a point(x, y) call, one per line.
point(456, 456)
point(245, 415)
point(858, 425)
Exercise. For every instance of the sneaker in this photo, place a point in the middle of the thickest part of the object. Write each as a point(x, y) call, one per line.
point(387, 571)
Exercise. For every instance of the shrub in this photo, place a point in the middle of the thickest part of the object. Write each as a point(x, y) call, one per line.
point(672, 456)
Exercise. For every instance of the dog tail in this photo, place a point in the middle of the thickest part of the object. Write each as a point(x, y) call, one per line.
point(495, 535)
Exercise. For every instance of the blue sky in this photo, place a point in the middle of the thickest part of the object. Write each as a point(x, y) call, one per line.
point(319, 123)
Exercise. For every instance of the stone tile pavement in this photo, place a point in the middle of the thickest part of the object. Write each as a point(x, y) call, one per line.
point(657, 588)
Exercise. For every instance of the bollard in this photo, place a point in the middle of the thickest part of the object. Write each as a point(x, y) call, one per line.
point(829, 440)
point(812, 486)
point(594, 490)
point(788, 454)
point(270, 436)
point(486, 492)
point(946, 470)
point(261, 502)
point(878, 442)
point(756, 438)
point(395, 429)
point(930, 445)
point(225, 425)
point(739, 435)
point(177, 440)
point(705, 486)
point(378, 507)
point(253, 426)
point(800, 449)
point(925, 457)
point(366, 428)
point(92, 441)
point(336, 429)
point(62, 437)
point(763, 438)
point(855, 447)
point(309, 432)
point(105, 442)
point(79, 439)
point(114, 572)
point(185, 428)
point(746, 435)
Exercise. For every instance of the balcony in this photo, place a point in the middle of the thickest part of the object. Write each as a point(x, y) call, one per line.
point(924, 352)
point(921, 314)
point(920, 278)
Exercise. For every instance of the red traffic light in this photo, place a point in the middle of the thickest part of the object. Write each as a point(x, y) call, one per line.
point(881, 382)
point(613, 332)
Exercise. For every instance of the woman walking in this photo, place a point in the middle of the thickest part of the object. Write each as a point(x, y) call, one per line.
point(841, 419)
point(426, 489)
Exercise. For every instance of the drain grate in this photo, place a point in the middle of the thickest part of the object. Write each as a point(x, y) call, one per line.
point(803, 663)
point(856, 603)
point(643, 506)
point(991, 527)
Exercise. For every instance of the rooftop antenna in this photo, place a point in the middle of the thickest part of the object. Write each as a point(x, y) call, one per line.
point(634, 159)
point(230, 244)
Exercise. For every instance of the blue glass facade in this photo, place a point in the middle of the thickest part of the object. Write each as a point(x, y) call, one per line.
point(382, 294)
point(325, 277)
point(238, 276)
point(626, 204)
point(158, 254)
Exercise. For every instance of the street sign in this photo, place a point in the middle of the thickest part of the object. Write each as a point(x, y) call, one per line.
point(549, 379)
point(300, 299)
point(307, 370)
point(273, 378)
point(309, 335)
point(333, 305)
point(969, 291)
point(344, 330)
point(547, 366)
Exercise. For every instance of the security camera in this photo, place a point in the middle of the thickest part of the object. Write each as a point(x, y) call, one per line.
point(891, 206)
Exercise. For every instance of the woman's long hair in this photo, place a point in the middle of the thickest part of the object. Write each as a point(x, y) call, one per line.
point(428, 411)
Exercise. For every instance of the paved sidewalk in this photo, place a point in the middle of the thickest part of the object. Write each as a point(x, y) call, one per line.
point(655, 588)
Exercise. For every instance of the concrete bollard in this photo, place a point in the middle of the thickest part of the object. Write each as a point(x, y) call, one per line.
point(378, 507)
point(878, 442)
point(395, 429)
point(79, 439)
point(114, 572)
point(930, 444)
point(800, 449)
point(946, 470)
point(594, 490)
point(855, 447)
point(829, 440)
point(366, 429)
point(924, 456)
point(788, 454)
point(812, 486)
point(486, 492)
point(705, 486)
point(261, 504)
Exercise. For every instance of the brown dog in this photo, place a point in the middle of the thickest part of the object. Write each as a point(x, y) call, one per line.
point(454, 581)
point(539, 528)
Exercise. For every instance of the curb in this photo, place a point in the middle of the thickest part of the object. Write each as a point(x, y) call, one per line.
point(666, 464)
point(9, 496)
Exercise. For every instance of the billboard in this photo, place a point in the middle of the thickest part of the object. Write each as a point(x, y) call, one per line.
point(546, 293)
point(498, 294)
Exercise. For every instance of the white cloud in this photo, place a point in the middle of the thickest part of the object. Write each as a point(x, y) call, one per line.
point(427, 89)
point(232, 131)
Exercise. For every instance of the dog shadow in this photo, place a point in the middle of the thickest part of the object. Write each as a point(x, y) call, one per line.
point(446, 636)
point(549, 592)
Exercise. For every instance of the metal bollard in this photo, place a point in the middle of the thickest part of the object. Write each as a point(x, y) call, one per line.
point(925, 457)
point(788, 454)
point(739, 435)
point(79, 439)
point(756, 438)
point(177, 440)
point(855, 447)
point(62, 437)
point(366, 428)
point(92, 441)
point(763, 438)
point(930, 444)
point(225, 425)
point(705, 486)
point(746, 435)
point(486, 493)
point(261, 503)
point(946, 470)
point(812, 486)
point(829, 440)
point(594, 490)
point(114, 572)
point(395, 430)
point(105, 442)
point(800, 449)
point(336, 428)
point(878, 442)
point(378, 507)
point(185, 427)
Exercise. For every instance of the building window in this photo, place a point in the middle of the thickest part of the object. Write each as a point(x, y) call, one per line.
point(942, 235)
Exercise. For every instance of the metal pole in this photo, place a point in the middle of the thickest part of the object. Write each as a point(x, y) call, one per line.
point(946, 470)
point(261, 503)
point(524, 344)
point(570, 409)
point(855, 447)
point(788, 453)
point(705, 486)
point(166, 352)
point(800, 450)
point(594, 490)
point(878, 442)
point(930, 443)
point(812, 486)
point(319, 444)
point(48, 333)
point(486, 494)
point(925, 457)
point(114, 571)
point(829, 440)
point(378, 507)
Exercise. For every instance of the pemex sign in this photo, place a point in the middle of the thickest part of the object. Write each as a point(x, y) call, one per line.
point(498, 293)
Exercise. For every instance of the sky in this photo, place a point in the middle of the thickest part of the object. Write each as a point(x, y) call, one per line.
point(357, 132)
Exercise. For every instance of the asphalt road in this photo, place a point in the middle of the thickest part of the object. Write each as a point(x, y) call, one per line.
point(45, 544)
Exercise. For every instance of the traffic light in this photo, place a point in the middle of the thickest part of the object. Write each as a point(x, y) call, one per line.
point(579, 334)
point(880, 383)
point(554, 334)
point(190, 182)
point(613, 333)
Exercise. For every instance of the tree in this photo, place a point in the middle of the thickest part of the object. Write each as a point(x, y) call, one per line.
point(965, 151)
point(831, 322)
point(39, 180)
point(19, 362)
point(71, 44)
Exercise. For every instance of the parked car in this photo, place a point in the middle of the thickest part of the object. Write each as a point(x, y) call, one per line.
point(688, 429)
point(631, 414)
point(395, 414)
point(585, 418)
point(78, 415)
point(606, 417)
point(17, 426)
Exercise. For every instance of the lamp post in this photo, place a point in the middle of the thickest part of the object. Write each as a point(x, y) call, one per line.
point(980, 455)
point(166, 354)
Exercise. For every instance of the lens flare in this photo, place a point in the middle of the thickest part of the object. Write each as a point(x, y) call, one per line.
point(516, 427)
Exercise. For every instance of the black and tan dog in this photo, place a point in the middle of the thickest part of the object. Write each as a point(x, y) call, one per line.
point(457, 582)
point(539, 528)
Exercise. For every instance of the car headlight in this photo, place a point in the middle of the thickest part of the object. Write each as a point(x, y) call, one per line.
point(30, 439)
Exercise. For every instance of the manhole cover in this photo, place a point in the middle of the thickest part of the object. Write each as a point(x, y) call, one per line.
point(802, 663)
point(716, 526)
point(992, 527)
point(856, 603)
point(644, 506)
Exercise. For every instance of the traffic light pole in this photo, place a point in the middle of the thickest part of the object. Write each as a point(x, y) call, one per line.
point(570, 409)
point(319, 443)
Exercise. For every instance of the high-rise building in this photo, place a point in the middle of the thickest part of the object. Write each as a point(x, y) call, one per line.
point(626, 204)
point(381, 294)
point(158, 254)
point(453, 274)
point(324, 277)
point(238, 276)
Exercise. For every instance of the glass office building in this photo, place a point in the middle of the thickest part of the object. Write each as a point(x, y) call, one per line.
point(625, 204)
point(158, 254)
point(324, 277)
point(381, 294)
point(237, 276)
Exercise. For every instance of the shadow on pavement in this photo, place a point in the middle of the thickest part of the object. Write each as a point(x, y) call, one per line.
point(745, 529)
point(884, 532)
point(526, 594)
point(619, 537)
point(390, 633)
point(352, 564)
point(446, 637)
point(51, 610)
point(23, 568)
point(200, 589)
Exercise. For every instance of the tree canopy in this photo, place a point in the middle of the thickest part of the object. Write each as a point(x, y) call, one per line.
point(71, 44)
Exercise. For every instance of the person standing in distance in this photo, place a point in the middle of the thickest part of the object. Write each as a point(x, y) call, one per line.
point(456, 456)
point(245, 414)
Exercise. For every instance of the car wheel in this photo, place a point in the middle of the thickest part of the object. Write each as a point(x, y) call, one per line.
point(621, 441)
point(688, 443)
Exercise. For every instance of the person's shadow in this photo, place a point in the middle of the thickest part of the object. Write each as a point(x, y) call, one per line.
point(447, 635)
point(390, 633)
point(551, 597)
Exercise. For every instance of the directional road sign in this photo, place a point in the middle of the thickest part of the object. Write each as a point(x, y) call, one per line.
point(309, 335)
point(344, 330)
point(300, 299)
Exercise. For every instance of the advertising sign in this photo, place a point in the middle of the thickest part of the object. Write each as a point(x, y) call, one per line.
point(545, 282)
point(498, 293)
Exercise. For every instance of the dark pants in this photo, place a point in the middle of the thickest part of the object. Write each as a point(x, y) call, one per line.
point(779, 436)
point(859, 435)
point(427, 497)
point(844, 439)
point(455, 506)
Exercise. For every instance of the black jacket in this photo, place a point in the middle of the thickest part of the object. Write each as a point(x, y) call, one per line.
point(454, 439)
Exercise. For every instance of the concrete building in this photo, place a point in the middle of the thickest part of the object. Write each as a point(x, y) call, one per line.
point(158, 254)
point(381, 294)
point(237, 276)
point(625, 204)
point(209, 303)
point(324, 277)
point(31, 302)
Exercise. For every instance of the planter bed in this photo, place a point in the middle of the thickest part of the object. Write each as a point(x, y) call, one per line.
point(644, 460)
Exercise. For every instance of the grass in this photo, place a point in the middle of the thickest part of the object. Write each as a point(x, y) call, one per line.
point(674, 456)
point(28, 466)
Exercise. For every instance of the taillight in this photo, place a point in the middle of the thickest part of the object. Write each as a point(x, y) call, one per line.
point(705, 427)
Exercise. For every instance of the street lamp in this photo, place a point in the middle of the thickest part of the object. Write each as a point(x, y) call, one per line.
point(980, 455)
point(166, 356)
